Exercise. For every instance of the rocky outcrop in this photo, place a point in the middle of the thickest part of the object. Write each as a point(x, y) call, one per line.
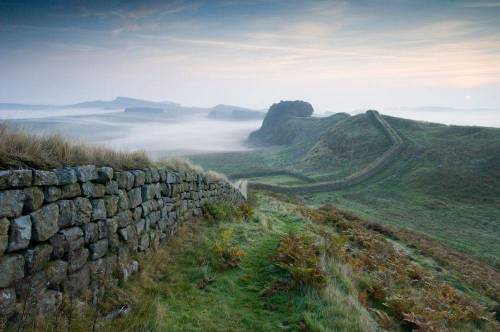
point(61, 231)
point(275, 129)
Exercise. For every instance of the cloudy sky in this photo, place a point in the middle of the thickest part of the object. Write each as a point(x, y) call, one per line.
point(339, 55)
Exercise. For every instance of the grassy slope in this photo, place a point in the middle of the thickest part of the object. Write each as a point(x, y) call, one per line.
point(446, 184)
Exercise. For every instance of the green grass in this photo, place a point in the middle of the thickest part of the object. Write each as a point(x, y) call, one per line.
point(235, 299)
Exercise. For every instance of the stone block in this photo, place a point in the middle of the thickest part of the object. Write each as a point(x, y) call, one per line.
point(105, 174)
point(90, 232)
point(51, 194)
point(11, 269)
point(68, 239)
point(112, 188)
point(66, 213)
point(56, 272)
point(86, 173)
point(77, 259)
point(11, 203)
point(140, 178)
point(45, 178)
point(137, 213)
point(98, 249)
point(71, 191)
point(65, 176)
point(124, 218)
point(123, 203)
point(36, 258)
point(98, 209)
point(45, 222)
point(134, 197)
point(83, 210)
point(4, 234)
point(94, 190)
point(111, 205)
point(125, 180)
point(20, 233)
point(34, 199)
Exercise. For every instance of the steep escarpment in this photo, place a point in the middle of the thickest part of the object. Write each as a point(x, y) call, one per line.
point(276, 129)
point(65, 231)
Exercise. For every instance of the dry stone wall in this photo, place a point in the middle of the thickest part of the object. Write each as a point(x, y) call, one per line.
point(61, 230)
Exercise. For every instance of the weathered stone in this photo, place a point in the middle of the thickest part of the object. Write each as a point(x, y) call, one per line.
point(56, 272)
point(148, 192)
point(163, 175)
point(44, 222)
point(66, 213)
point(137, 213)
point(4, 234)
point(31, 286)
point(124, 218)
point(93, 190)
point(68, 239)
point(76, 259)
point(134, 197)
point(98, 249)
point(37, 258)
point(51, 194)
point(4, 180)
point(65, 175)
point(102, 230)
point(45, 178)
point(143, 242)
point(11, 269)
point(123, 203)
point(91, 232)
point(77, 281)
point(140, 226)
point(112, 225)
point(147, 175)
point(7, 302)
point(33, 199)
point(171, 178)
point(112, 188)
point(20, 233)
point(147, 207)
point(129, 269)
point(105, 174)
point(71, 190)
point(83, 210)
point(111, 204)
point(125, 180)
point(140, 177)
point(86, 173)
point(11, 203)
point(48, 302)
point(155, 175)
point(19, 178)
point(98, 209)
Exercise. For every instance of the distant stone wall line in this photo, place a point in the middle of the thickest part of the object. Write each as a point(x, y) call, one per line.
point(382, 162)
point(62, 230)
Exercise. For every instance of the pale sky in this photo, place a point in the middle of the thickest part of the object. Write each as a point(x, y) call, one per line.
point(338, 55)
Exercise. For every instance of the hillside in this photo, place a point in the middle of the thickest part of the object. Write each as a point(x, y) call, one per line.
point(445, 183)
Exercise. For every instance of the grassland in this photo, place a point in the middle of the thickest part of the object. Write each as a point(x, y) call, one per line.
point(289, 268)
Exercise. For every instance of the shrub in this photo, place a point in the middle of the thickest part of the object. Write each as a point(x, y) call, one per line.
point(300, 257)
point(227, 253)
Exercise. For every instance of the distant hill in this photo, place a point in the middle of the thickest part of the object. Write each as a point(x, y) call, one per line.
point(123, 102)
point(144, 110)
point(14, 106)
point(234, 113)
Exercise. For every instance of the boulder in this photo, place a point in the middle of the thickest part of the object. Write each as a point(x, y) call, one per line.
point(105, 174)
point(123, 203)
point(20, 233)
point(140, 177)
point(112, 188)
point(125, 180)
point(11, 203)
point(16, 178)
point(45, 178)
point(45, 222)
point(124, 218)
point(11, 269)
point(66, 213)
point(90, 232)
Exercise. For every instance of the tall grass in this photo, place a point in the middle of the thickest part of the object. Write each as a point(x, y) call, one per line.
point(21, 149)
